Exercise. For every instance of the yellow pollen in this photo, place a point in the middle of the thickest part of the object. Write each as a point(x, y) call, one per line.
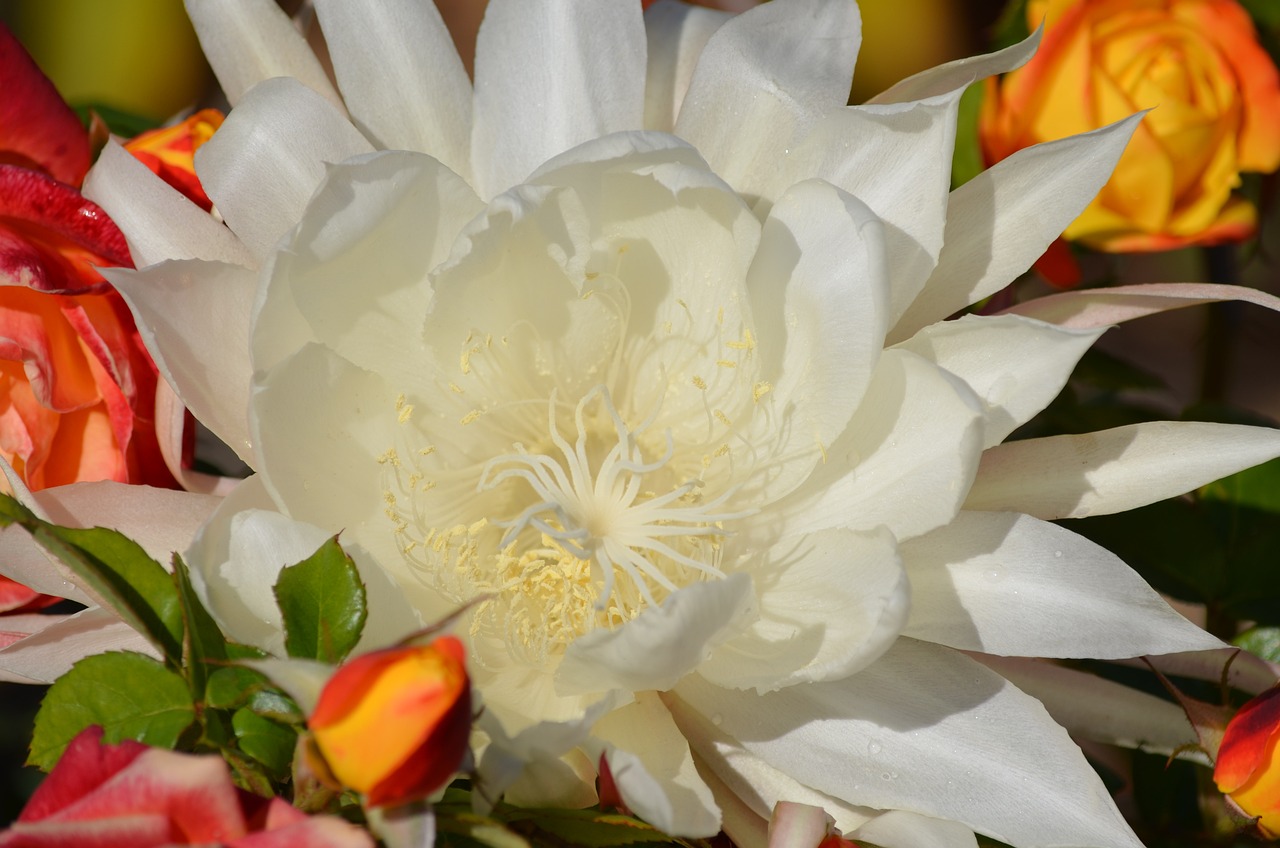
point(470, 416)
point(722, 418)
point(454, 387)
point(405, 414)
point(699, 383)
point(726, 363)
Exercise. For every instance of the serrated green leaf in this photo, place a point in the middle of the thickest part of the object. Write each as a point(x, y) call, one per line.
point(479, 829)
point(13, 512)
point(1261, 641)
point(231, 687)
point(322, 602)
point(134, 585)
point(203, 639)
point(266, 741)
point(130, 695)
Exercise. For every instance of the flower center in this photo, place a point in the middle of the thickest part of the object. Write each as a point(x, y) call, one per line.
point(584, 530)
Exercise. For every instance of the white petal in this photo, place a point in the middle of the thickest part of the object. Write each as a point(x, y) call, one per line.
point(830, 604)
point(899, 829)
point(928, 730)
point(319, 429)
point(385, 219)
point(158, 222)
point(1005, 583)
point(896, 160)
point(1002, 220)
point(798, 825)
point(267, 158)
point(1116, 304)
point(1015, 367)
point(401, 77)
point(653, 770)
point(819, 294)
point(1091, 707)
point(961, 73)
point(206, 361)
point(906, 460)
point(676, 32)
point(743, 783)
point(762, 80)
point(1115, 470)
point(550, 76)
point(662, 644)
point(248, 41)
point(45, 656)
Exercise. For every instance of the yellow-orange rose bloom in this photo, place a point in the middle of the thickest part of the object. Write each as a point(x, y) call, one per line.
point(1248, 765)
point(1215, 100)
point(394, 724)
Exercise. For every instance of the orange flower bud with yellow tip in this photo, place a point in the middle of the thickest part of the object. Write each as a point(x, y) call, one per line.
point(1248, 765)
point(394, 724)
point(1214, 96)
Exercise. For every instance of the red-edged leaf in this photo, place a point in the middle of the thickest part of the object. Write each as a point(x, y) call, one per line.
point(37, 129)
point(51, 236)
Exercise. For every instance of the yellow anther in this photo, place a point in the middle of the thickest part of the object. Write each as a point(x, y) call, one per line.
point(469, 417)
point(721, 451)
point(454, 387)
point(406, 412)
point(699, 383)
point(427, 451)
point(722, 418)
point(726, 363)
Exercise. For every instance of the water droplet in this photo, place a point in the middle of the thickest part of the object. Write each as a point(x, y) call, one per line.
point(889, 775)
point(993, 574)
point(874, 748)
point(1057, 554)
point(717, 719)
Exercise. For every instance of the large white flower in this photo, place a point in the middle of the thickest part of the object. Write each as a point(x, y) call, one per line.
point(673, 411)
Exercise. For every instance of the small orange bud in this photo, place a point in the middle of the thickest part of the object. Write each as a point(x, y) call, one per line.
point(394, 724)
point(1248, 765)
point(170, 152)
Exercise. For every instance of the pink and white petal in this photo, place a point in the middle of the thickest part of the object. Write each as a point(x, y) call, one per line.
point(548, 77)
point(776, 68)
point(249, 41)
point(171, 421)
point(1241, 669)
point(1114, 470)
point(47, 654)
point(1091, 707)
point(796, 825)
point(900, 829)
point(386, 219)
point(830, 603)
point(961, 73)
point(819, 289)
point(14, 627)
point(1008, 584)
point(206, 361)
point(1002, 220)
point(865, 150)
point(401, 77)
point(676, 33)
point(915, 439)
point(1117, 304)
point(1015, 367)
point(316, 831)
point(265, 161)
point(157, 220)
point(653, 769)
point(662, 644)
point(915, 727)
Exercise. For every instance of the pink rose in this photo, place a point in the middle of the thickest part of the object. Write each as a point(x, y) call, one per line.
point(133, 796)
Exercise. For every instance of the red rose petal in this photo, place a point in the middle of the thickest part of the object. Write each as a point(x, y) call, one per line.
point(51, 236)
point(85, 765)
point(36, 126)
point(1245, 741)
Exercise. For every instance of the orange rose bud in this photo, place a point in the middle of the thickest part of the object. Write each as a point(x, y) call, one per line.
point(394, 724)
point(1215, 100)
point(170, 152)
point(1248, 766)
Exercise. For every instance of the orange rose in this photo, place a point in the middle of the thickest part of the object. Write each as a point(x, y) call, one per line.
point(1215, 100)
point(1248, 765)
point(394, 724)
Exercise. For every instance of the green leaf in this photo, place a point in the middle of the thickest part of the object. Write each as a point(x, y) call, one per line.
point(266, 741)
point(322, 602)
point(117, 568)
point(231, 687)
point(1261, 641)
point(203, 638)
point(478, 830)
point(134, 585)
point(1257, 488)
point(1012, 25)
point(130, 695)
